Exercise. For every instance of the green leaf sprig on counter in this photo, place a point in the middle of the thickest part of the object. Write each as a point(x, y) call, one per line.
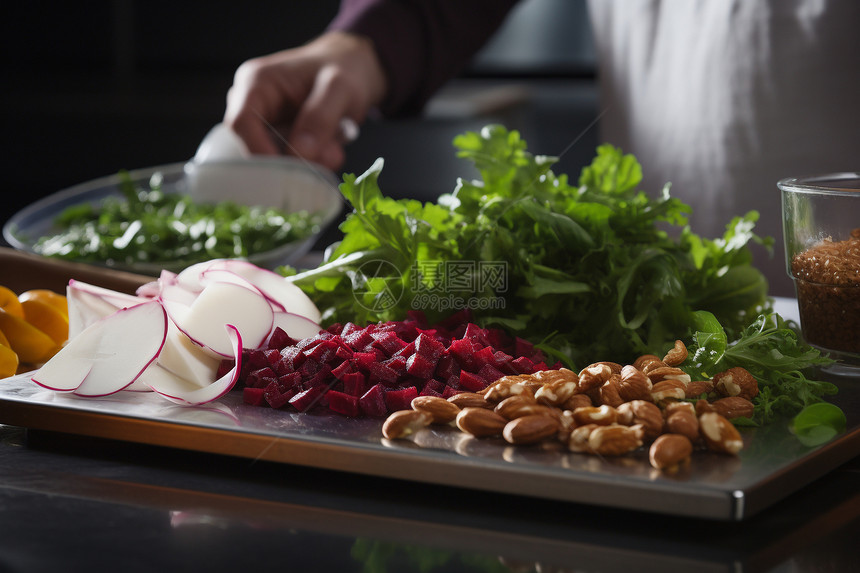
point(149, 225)
point(592, 269)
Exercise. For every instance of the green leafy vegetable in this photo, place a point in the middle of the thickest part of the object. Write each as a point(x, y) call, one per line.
point(152, 226)
point(588, 271)
point(818, 423)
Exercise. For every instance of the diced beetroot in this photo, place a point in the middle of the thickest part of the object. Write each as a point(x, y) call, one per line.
point(253, 396)
point(523, 365)
point(464, 351)
point(420, 366)
point(471, 382)
point(322, 378)
point(539, 366)
point(306, 399)
point(476, 334)
point(309, 367)
point(358, 340)
point(397, 364)
point(446, 367)
point(256, 359)
point(407, 350)
point(400, 399)
point(428, 347)
point(342, 369)
point(372, 403)
point(280, 339)
point(435, 385)
point(343, 352)
point(448, 392)
point(364, 360)
point(335, 328)
point(354, 383)
point(497, 338)
point(277, 397)
point(388, 342)
point(291, 358)
point(490, 374)
point(349, 328)
point(380, 373)
point(260, 378)
point(483, 357)
point(293, 380)
point(322, 352)
point(342, 403)
point(459, 318)
point(427, 391)
point(224, 367)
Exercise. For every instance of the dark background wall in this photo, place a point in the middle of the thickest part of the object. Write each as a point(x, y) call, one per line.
point(90, 88)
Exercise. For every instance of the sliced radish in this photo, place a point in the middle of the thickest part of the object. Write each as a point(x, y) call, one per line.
point(219, 304)
point(189, 277)
point(296, 326)
point(109, 355)
point(116, 298)
point(273, 286)
point(180, 390)
point(187, 360)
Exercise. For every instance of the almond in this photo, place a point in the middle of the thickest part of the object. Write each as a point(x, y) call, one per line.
point(469, 400)
point(441, 410)
point(600, 415)
point(519, 406)
point(677, 355)
point(685, 423)
point(530, 429)
point(696, 388)
point(480, 422)
point(614, 440)
point(733, 407)
point(719, 434)
point(404, 423)
point(669, 451)
point(643, 413)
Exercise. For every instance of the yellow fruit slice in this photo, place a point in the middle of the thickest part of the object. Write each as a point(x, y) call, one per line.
point(29, 343)
point(48, 297)
point(47, 319)
point(10, 303)
point(8, 361)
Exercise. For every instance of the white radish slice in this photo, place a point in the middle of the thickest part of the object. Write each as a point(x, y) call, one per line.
point(109, 355)
point(182, 391)
point(219, 304)
point(116, 298)
point(295, 325)
point(185, 359)
point(273, 286)
point(189, 277)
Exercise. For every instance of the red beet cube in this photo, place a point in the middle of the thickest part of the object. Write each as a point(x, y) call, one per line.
point(427, 391)
point(420, 366)
point(275, 396)
point(523, 347)
point(256, 359)
point(292, 380)
point(464, 351)
point(400, 399)
point(388, 342)
point(372, 403)
point(446, 367)
point(490, 373)
point(448, 392)
point(306, 399)
point(428, 347)
point(358, 340)
point(483, 356)
point(322, 352)
point(335, 328)
point(342, 369)
point(354, 383)
point(407, 350)
point(364, 360)
point(280, 339)
point(253, 396)
point(322, 377)
point(379, 372)
point(348, 329)
point(472, 382)
point(523, 365)
point(476, 334)
point(260, 378)
point(342, 403)
point(398, 364)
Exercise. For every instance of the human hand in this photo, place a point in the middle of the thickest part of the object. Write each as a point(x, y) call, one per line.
point(305, 93)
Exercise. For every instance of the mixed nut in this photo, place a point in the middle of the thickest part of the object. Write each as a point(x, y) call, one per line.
point(607, 409)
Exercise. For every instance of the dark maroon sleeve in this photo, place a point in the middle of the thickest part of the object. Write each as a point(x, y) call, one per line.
point(421, 43)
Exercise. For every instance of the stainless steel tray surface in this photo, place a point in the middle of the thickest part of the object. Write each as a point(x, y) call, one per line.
point(772, 465)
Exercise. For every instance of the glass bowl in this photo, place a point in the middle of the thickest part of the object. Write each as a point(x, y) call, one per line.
point(282, 182)
point(821, 227)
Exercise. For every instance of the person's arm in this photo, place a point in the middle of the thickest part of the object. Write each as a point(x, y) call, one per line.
point(386, 54)
point(421, 44)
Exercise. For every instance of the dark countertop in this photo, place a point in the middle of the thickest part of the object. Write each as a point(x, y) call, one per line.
point(73, 503)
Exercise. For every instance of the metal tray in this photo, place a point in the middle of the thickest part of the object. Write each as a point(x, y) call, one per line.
point(772, 465)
